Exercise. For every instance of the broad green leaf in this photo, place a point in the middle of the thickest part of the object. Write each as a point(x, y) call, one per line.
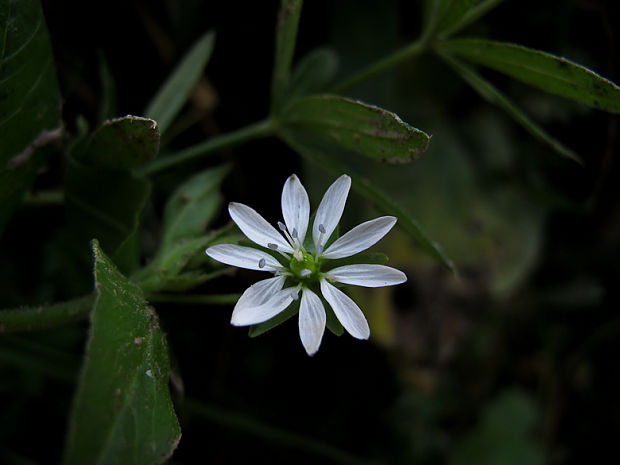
point(494, 96)
point(122, 411)
point(173, 94)
point(45, 316)
point(104, 198)
point(454, 15)
point(121, 144)
point(551, 73)
point(356, 126)
point(286, 36)
point(313, 72)
point(29, 99)
point(381, 200)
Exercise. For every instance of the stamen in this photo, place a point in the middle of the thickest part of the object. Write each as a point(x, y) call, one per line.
point(261, 263)
point(272, 246)
point(298, 254)
point(294, 233)
point(305, 272)
point(319, 249)
point(322, 229)
point(282, 226)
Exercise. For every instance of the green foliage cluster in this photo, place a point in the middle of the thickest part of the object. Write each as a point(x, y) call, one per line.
point(123, 410)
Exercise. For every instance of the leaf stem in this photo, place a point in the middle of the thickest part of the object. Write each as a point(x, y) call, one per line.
point(45, 316)
point(257, 130)
point(194, 299)
point(396, 58)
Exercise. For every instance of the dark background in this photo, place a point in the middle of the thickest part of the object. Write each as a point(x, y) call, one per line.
point(491, 367)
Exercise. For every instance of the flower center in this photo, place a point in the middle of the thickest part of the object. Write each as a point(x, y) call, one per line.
point(305, 266)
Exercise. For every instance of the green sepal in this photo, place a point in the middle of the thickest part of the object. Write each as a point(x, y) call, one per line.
point(289, 312)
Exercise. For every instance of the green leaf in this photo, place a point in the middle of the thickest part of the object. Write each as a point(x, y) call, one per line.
point(173, 94)
point(381, 200)
point(454, 15)
point(122, 411)
point(121, 144)
point(488, 92)
point(190, 279)
point(362, 128)
point(193, 205)
point(359, 259)
point(29, 100)
point(286, 36)
point(551, 73)
point(312, 74)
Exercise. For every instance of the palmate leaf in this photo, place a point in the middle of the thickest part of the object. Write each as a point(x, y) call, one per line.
point(365, 129)
point(29, 99)
point(551, 73)
point(173, 94)
point(122, 411)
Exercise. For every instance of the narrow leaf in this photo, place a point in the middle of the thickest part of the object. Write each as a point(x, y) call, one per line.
point(494, 96)
point(312, 74)
point(457, 14)
point(551, 73)
point(381, 200)
point(365, 129)
point(29, 100)
point(122, 411)
point(286, 36)
point(173, 94)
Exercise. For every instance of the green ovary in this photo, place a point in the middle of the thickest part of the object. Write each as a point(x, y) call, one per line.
point(306, 263)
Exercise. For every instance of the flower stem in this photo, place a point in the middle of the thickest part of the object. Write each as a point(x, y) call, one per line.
point(196, 299)
point(43, 317)
point(396, 58)
point(254, 131)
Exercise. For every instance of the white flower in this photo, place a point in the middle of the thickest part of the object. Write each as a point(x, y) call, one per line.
point(299, 268)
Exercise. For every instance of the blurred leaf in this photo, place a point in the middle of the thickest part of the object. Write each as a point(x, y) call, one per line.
point(360, 258)
point(454, 15)
point(487, 91)
point(365, 129)
point(29, 100)
point(551, 73)
point(503, 436)
point(122, 411)
point(382, 201)
point(190, 279)
point(312, 74)
point(173, 94)
point(121, 144)
point(286, 36)
point(193, 205)
point(186, 217)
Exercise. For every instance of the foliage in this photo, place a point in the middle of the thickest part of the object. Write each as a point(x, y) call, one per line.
point(134, 200)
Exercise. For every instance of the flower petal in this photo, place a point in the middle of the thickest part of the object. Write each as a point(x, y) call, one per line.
point(259, 293)
point(295, 207)
point(255, 314)
point(360, 237)
point(367, 275)
point(347, 311)
point(330, 210)
point(312, 321)
point(243, 257)
point(256, 228)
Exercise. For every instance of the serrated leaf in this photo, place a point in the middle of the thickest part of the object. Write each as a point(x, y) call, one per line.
point(551, 73)
point(487, 91)
point(286, 36)
point(364, 129)
point(383, 202)
point(312, 74)
point(121, 144)
point(122, 411)
point(29, 100)
point(174, 93)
